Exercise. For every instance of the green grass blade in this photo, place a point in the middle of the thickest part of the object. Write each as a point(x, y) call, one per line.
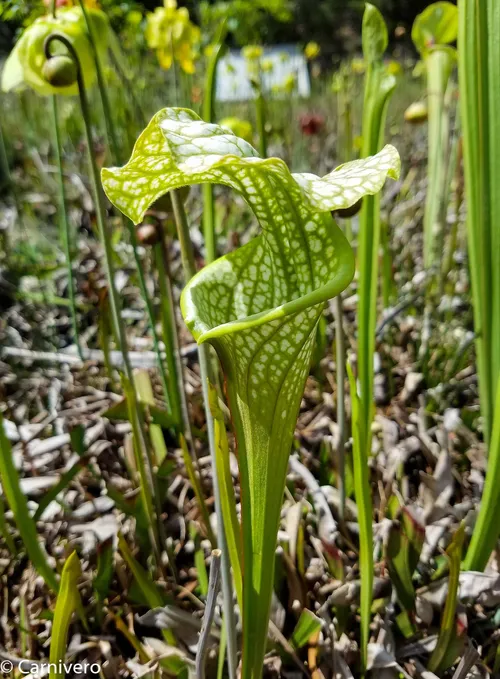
point(198, 491)
point(150, 591)
point(17, 503)
point(307, 625)
point(68, 600)
point(104, 574)
point(61, 485)
point(487, 528)
point(448, 622)
point(4, 530)
point(145, 394)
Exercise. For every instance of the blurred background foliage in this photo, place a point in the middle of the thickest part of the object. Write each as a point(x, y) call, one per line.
point(334, 24)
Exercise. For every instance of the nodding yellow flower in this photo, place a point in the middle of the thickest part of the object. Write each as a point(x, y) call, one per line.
point(267, 66)
point(25, 64)
point(358, 65)
point(252, 52)
point(312, 50)
point(172, 34)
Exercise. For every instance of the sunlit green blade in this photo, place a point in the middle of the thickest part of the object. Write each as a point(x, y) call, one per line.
point(448, 623)
point(68, 599)
point(150, 591)
point(19, 507)
point(487, 528)
point(198, 491)
point(258, 306)
point(402, 551)
point(307, 625)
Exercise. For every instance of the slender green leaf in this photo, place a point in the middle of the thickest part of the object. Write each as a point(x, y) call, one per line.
point(159, 416)
point(61, 485)
point(17, 503)
point(404, 544)
point(4, 530)
point(487, 528)
point(307, 625)
point(198, 491)
point(146, 397)
point(68, 600)
point(448, 622)
point(104, 574)
point(151, 593)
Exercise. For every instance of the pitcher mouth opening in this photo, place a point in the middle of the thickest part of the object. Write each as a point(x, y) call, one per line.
point(202, 332)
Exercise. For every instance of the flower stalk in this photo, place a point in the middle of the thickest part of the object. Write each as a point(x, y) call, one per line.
point(65, 229)
point(114, 302)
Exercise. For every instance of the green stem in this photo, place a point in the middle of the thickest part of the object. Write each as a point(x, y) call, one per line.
point(189, 267)
point(378, 89)
point(260, 111)
point(114, 300)
point(167, 320)
point(115, 149)
point(5, 177)
point(108, 118)
point(340, 359)
point(65, 230)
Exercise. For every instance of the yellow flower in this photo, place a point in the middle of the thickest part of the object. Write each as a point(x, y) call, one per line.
point(312, 50)
point(267, 66)
point(171, 33)
point(25, 64)
point(241, 128)
point(358, 66)
point(252, 52)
